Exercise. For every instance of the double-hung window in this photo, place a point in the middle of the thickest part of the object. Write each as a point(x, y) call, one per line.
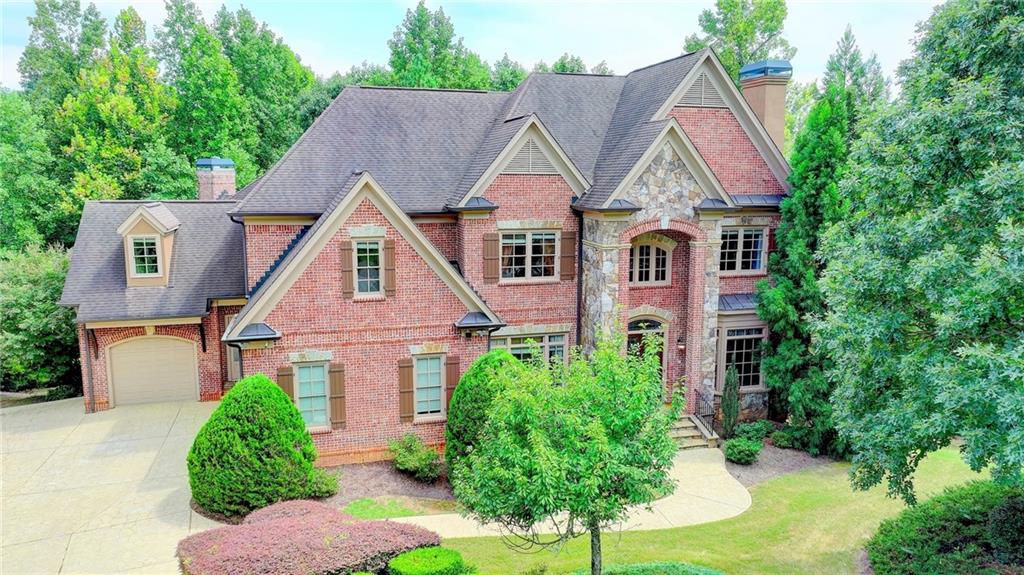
point(367, 254)
point(311, 394)
point(743, 350)
point(527, 255)
point(145, 256)
point(429, 386)
point(551, 347)
point(649, 263)
point(742, 250)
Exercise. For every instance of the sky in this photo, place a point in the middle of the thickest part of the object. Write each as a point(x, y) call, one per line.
point(333, 36)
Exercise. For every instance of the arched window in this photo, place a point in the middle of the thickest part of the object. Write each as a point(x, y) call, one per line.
point(650, 260)
point(638, 329)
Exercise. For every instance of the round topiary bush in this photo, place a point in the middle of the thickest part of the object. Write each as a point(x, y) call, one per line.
point(471, 400)
point(254, 451)
point(755, 431)
point(742, 451)
point(428, 561)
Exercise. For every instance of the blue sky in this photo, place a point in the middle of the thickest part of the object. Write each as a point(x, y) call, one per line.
point(333, 36)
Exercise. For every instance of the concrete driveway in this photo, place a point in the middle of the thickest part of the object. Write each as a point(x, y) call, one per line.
point(100, 493)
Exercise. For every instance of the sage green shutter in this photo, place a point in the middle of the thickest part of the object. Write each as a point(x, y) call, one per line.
point(406, 394)
point(491, 258)
point(337, 395)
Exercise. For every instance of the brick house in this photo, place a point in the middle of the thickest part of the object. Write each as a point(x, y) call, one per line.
point(408, 231)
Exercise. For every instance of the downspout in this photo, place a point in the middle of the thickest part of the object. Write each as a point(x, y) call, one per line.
point(579, 278)
point(88, 372)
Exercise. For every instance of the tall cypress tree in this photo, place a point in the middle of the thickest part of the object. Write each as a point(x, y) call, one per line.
point(793, 368)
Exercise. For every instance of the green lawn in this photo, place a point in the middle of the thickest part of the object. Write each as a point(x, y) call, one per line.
point(807, 522)
point(387, 507)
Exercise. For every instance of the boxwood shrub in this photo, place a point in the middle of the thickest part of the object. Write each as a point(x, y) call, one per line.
point(254, 451)
point(413, 457)
point(471, 401)
point(951, 534)
point(428, 561)
point(742, 451)
point(755, 431)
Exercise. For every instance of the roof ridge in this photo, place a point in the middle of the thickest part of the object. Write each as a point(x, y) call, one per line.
point(668, 60)
point(144, 202)
point(426, 89)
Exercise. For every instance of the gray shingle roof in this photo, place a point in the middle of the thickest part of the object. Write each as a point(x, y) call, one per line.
point(737, 302)
point(163, 215)
point(206, 263)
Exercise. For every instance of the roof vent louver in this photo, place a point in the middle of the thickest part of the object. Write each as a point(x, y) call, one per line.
point(530, 159)
point(702, 94)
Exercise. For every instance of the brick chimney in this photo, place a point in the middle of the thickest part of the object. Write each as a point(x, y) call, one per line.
point(216, 178)
point(764, 89)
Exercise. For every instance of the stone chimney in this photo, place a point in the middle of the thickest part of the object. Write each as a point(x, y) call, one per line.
point(216, 178)
point(764, 89)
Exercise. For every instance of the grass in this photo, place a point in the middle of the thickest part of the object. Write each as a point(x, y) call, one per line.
point(805, 522)
point(388, 507)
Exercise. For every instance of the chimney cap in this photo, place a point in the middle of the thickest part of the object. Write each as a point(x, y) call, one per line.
point(766, 68)
point(214, 163)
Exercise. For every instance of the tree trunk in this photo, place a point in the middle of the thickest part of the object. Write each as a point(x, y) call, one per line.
point(595, 550)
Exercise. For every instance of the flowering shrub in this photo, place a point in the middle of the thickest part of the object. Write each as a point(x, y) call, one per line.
point(299, 538)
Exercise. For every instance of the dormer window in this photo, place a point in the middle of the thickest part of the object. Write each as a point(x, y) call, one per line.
point(145, 256)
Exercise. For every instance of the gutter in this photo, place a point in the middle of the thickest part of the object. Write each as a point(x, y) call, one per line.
point(579, 277)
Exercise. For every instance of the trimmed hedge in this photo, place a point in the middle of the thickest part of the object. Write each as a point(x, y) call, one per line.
point(1006, 530)
point(299, 538)
point(413, 457)
point(659, 568)
point(742, 451)
point(471, 401)
point(950, 533)
point(755, 431)
point(783, 439)
point(428, 561)
point(254, 451)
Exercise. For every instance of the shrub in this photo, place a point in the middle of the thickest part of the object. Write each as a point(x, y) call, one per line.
point(61, 392)
point(730, 402)
point(299, 538)
point(415, 458)
point(949, 533)
point(254, 451)
point(659, 568)
point(783, 439)
point(742, 451)
point(1006, 530)
point(428, 561)
point(755, 431)
point(470, 402)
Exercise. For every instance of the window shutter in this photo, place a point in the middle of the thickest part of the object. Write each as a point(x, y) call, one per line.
point(389, 268)
point(285, 376)
point(771, 240)
point(568, 256)
point(347, 286)
point(451, 377)
point(337, 396)
point(406, 399)
point(491, 258)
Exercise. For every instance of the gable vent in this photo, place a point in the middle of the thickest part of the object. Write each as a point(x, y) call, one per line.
point(530, 159)
point(702, 94)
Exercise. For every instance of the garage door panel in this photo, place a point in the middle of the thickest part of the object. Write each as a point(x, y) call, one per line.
point(153, 369)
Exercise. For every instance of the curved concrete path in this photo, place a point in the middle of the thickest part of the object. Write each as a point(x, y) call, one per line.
point(704, 492)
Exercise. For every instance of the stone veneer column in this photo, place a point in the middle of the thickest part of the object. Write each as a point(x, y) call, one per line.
point(709, 250)
point(601, 282)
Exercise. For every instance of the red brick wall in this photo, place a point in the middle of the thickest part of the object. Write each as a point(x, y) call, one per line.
point(523, 197)
point(728, 151)
point(734, 284)
point(444, 236)
point(368, 337)
point(263, 243)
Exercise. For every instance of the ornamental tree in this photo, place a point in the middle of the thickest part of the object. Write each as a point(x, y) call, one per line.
point(925, 281)
point(571, 449)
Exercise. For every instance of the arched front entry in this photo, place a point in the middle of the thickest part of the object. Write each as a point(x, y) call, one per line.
point(638, 330)
point(153, 368)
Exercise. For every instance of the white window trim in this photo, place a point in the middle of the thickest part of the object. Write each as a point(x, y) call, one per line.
point(159, 255)
point(356, 294)
point(229, 350)
point(748, 322)
point(634, 273)
point(430, 417)
point(327, 390)
point(542, 339)
point(763, 270)
point(529, 277)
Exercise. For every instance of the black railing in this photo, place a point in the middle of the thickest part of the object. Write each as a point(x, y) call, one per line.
point(706, 411)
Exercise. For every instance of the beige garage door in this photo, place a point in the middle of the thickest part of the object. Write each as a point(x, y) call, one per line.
point(152, 369)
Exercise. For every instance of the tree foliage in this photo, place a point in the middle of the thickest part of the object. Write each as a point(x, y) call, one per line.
point(572, 447)
point(28, 191)
point(507, 74)
point(862, 79)
point(799, 99)
point(569, 64)
point(743, 31)
point(925, 281)
point(426, 53)
point(730, 402)
point(471, 400)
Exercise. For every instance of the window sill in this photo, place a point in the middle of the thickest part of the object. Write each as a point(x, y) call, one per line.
point(741, 274)
point(649, 285)
point(528, 282)
point(743, 390)
point(429, 419)
point(374, 297)
point(320, 430)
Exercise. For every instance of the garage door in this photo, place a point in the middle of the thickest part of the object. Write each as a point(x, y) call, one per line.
point(152, 369)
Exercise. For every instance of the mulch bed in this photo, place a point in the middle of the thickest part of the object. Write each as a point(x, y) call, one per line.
point(380, 479)
point(774, 462)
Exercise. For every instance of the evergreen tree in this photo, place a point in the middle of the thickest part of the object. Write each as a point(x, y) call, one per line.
point(569, 64)
point(863, 79)
point(793, 368)
point(507, 74)
point(743, 31)
point(799, 99)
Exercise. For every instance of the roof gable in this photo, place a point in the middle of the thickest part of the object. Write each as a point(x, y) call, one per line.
point(155, 214)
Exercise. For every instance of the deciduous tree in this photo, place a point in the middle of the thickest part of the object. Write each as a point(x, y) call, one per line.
point(27, 190)
point(743, 31)
point(507, 74)
point(569, 64)
point(426, 53)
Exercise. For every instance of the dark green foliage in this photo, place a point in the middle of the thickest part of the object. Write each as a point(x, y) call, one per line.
point(658, 568)
point(38, 342)
point(28, 192)
point(507, 74)
point(730, 402)
point(924, 281)
point(426, 53)
point(742, 32)
point(755, 431)
point(428, 561)
point(413, 457)
point(471, 400)
point(62, 392)
point(569, 64)
point(254, 451)
point(1006, 530)
point(784, 439)
point(742, 451)
point(947, 534)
